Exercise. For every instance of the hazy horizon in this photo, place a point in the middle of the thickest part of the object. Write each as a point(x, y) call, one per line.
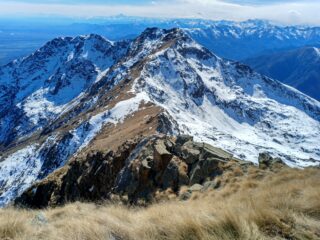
point(290, 12)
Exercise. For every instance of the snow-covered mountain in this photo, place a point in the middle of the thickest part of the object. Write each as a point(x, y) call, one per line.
point(299, 68)
point(76, 95)
point(252, 38)
point(36, 89)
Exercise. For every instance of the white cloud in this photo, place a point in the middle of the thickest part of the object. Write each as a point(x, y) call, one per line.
point(303, 12)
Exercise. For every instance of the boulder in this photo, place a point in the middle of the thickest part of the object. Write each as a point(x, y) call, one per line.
point(189, 152)
point(182, 139)
point(161, 155)
point(170, 177)
point(205, 168)
point(196, 188)
point(209, 151)
point(175, 175)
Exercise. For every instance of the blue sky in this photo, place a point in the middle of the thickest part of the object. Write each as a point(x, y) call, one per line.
point(283, 11)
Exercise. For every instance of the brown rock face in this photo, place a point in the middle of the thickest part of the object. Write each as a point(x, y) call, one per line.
point(138, 169)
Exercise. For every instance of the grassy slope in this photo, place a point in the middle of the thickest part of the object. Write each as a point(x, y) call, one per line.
point(258, 205)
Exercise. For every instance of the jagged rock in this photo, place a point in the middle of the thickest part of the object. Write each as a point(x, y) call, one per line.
point(205, 168)
point(138, 169)
point(176, 174)
point(182, 139)
point(189, 152)
point(161, 155)
point(91, 178)
point(161, 149)
point(170, 177)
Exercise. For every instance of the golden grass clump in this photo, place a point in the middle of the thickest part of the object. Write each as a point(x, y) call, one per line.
point(281, 205)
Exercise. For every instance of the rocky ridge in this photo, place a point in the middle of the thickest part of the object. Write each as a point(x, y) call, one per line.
point(137, 170)
point(163, 81)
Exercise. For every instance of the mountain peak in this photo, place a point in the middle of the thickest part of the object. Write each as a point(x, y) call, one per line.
point(154, 40)
point(163, 34)
point(92, 37)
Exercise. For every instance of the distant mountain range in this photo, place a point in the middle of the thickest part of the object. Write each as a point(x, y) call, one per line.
point(77, 96)
point(232, 40)
point(239, 41)
point(299, 68)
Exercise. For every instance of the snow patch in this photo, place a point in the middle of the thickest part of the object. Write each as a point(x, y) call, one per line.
point(70, 56)
point(89, 129)
point(18, 172)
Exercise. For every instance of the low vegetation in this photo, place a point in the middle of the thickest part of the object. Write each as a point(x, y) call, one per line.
point(259, 204)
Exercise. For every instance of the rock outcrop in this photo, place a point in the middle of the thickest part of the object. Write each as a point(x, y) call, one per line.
point(137, 170)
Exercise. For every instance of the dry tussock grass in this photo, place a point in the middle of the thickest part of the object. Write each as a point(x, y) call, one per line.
point(283, 205)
